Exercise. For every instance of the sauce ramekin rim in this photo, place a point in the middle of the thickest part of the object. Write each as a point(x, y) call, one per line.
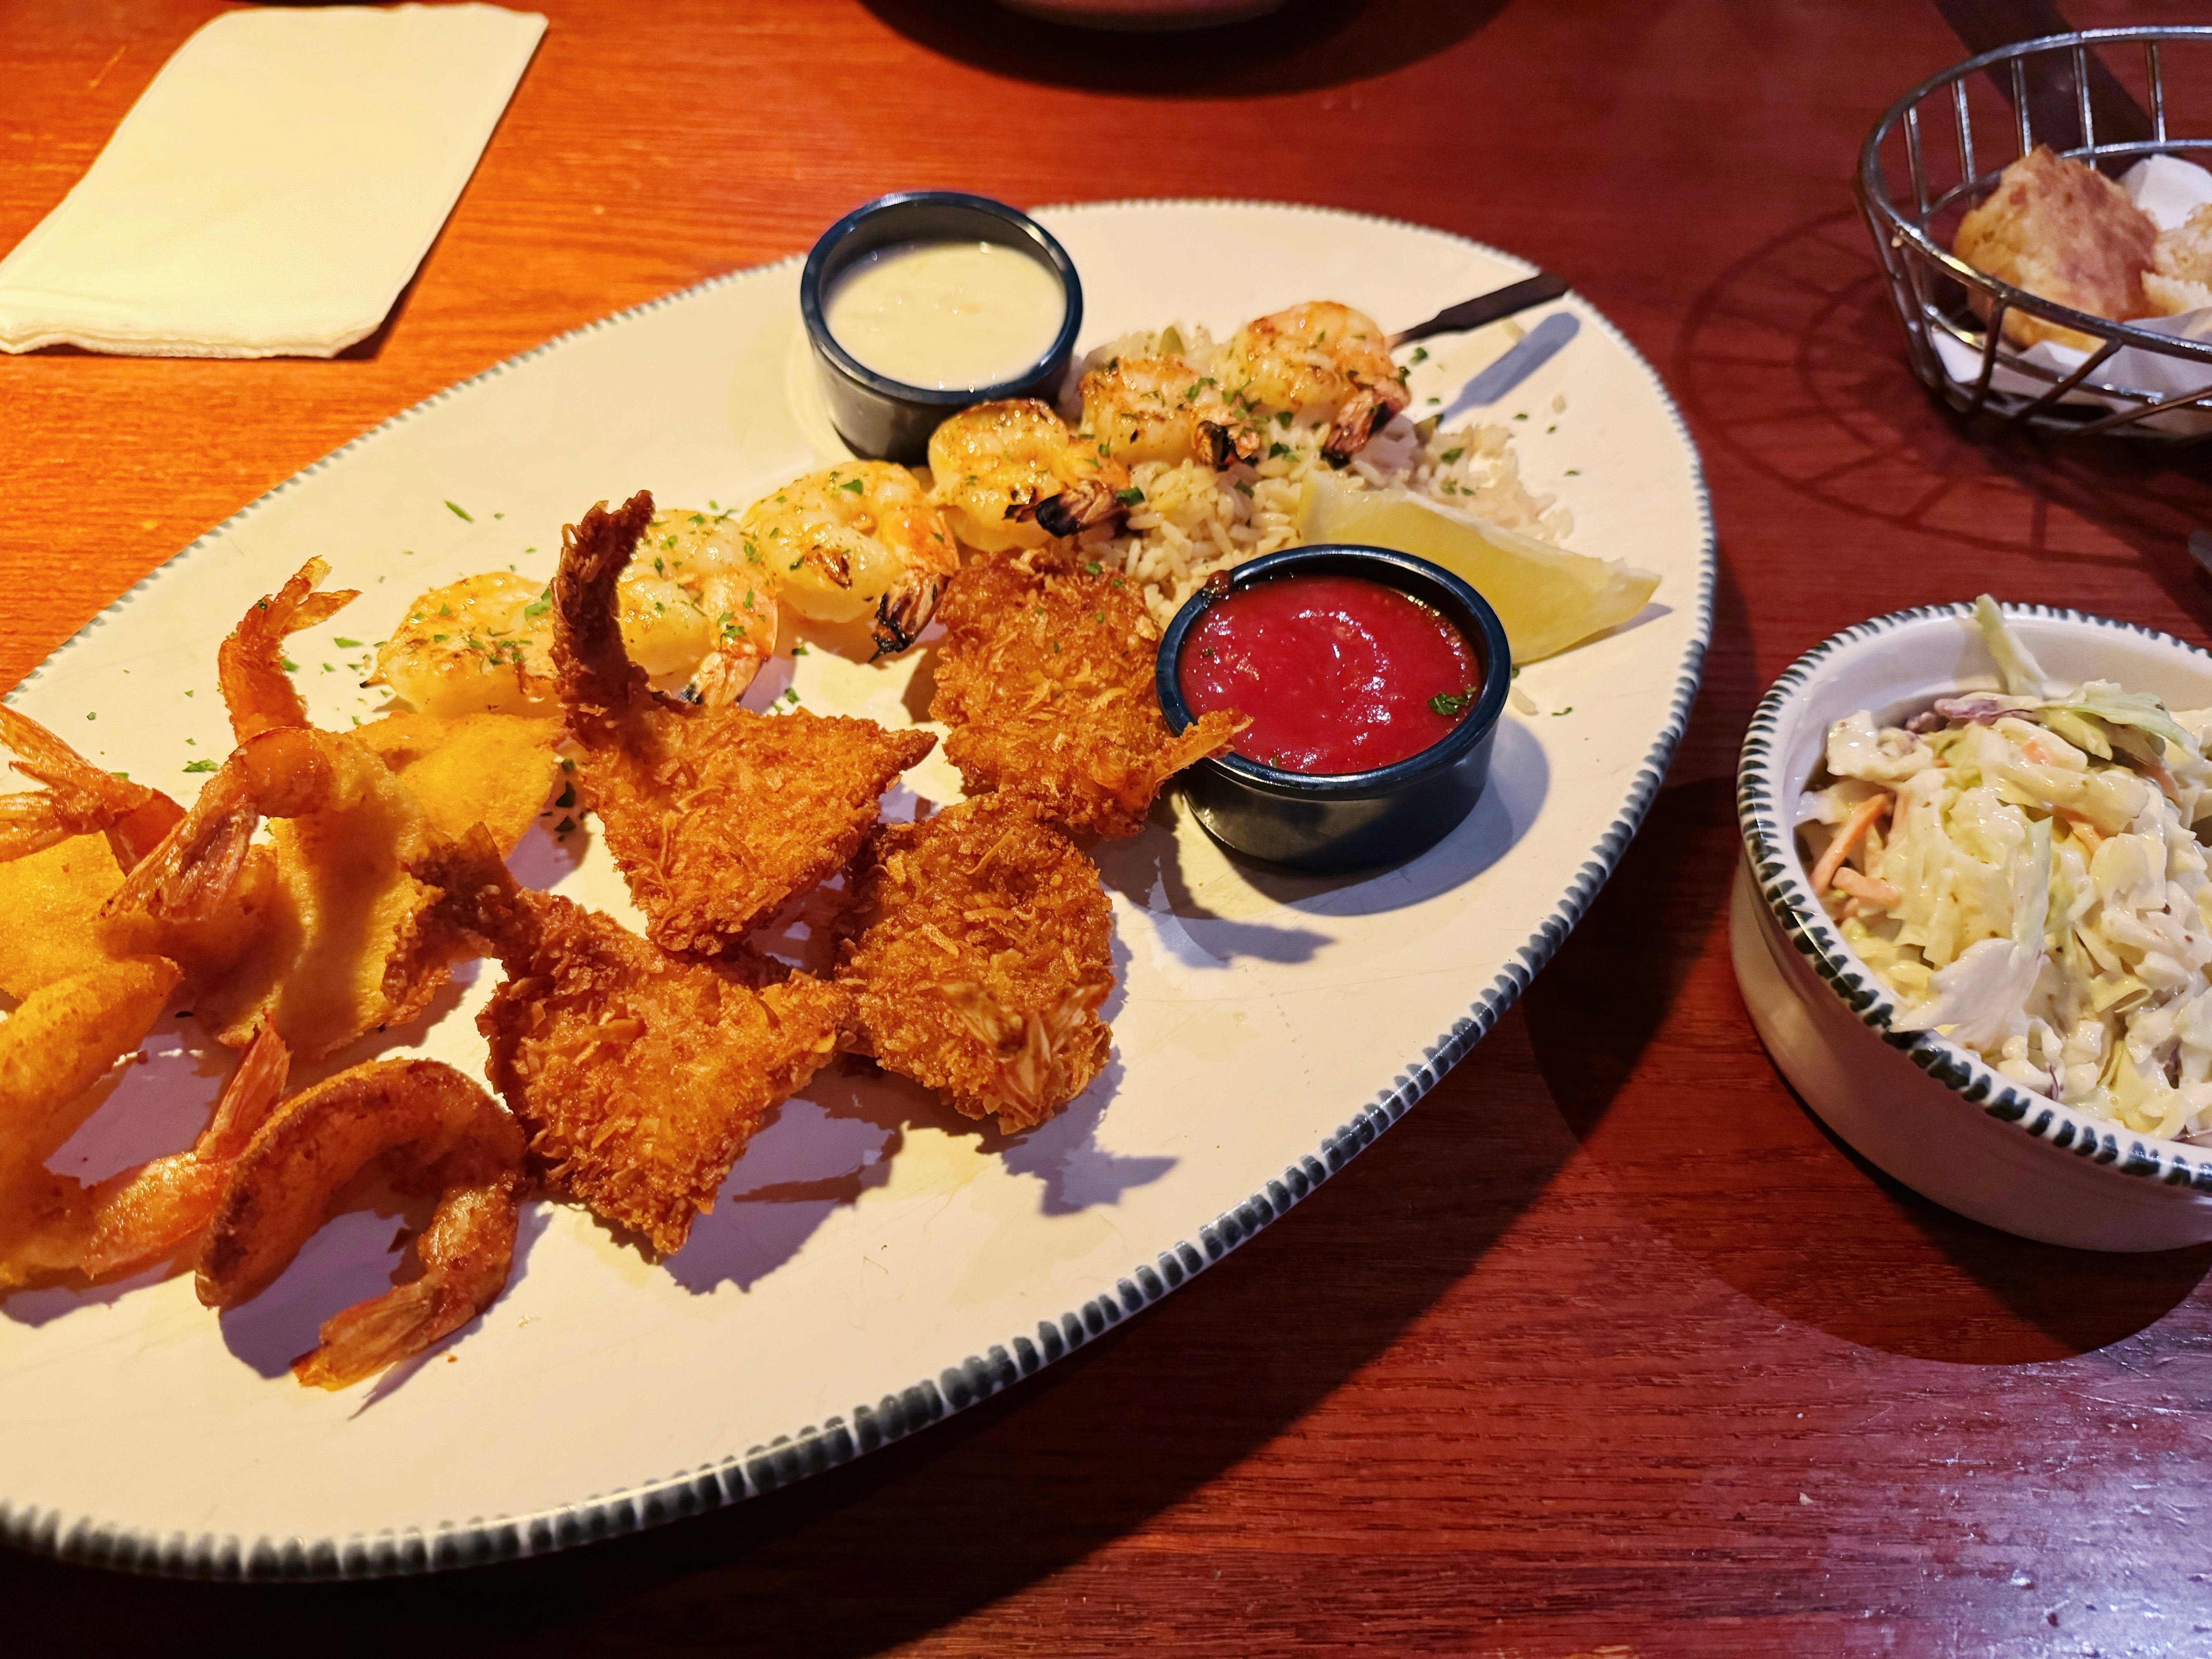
point(1487, 639)
point(1034, 238)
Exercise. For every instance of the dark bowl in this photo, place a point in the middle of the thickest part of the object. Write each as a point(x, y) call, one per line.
point(1340, 821)
point(888, 420)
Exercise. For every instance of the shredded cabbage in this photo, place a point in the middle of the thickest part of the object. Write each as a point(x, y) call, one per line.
point(2023, 869)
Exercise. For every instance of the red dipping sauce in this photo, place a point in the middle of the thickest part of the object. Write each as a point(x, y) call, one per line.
point(1337, 672)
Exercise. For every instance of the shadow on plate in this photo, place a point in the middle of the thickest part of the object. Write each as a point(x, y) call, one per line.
point(1643, 1038)
point(1307, 44)
point(1150, 872)
point(1004, 1496)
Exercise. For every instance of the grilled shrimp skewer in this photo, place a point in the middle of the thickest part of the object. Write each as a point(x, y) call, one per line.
point(859, 540)
point(1320, 355)
point(697, 613)
point(1011, 475)
point(430, 1129)
point(1162, 408)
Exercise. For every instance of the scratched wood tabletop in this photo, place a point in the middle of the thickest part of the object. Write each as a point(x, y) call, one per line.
point(1607, 1348)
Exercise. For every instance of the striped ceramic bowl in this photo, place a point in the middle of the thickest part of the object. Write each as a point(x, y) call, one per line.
point(1925, 1110)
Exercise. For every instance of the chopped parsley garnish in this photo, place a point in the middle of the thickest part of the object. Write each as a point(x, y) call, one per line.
point(288, 664)
point(799, 650)
point(1451, 455)
point(1572, 472)
point(459, 511)
point(1092, 567)
point(1569, 709)
point(541, 604)
point(344, 643)
point(1420, 355)
point(856, 485)
point(790, 694)
point(1448, 703)
point(199, 766)
point(567, 797)
point(1274, 450)
point(92, 717)
point(1283, 419)
point(1130, 496)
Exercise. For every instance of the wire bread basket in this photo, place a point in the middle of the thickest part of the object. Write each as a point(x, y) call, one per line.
point(1938, 151)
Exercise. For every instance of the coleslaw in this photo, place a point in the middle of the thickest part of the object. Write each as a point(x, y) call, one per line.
point(2023, 869)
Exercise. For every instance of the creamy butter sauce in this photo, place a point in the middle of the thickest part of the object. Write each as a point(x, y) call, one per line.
point(947, 314)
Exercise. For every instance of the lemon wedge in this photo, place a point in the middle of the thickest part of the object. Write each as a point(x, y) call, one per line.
point(1547, 598)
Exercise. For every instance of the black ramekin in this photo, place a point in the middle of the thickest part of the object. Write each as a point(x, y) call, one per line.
point(888, 420)
point(1348, 820)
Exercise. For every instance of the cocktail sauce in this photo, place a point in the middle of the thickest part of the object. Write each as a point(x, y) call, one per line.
point(1338, 673)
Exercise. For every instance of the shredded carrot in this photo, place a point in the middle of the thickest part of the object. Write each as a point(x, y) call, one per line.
point(1854, 827)
point(1870, 889)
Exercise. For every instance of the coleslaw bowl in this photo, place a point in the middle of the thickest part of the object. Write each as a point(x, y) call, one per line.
point(1925, 1110)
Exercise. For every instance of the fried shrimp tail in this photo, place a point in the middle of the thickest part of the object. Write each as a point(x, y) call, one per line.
point(250, 664)
point(428, 1129)
point(639, 1076)
point(143, 1215)
point(78, 798)
point(714, 815)
point(982, 955)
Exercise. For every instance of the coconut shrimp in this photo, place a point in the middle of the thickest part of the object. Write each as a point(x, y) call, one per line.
point(1011, 475)
point(697, 613)
point(859, 540)
point(142, 1215)
point(428, 1129)
point(1162, 408)
point(1322, 356)
point(77, 799)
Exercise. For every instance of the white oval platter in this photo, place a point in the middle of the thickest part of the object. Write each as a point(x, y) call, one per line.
point(874, 1261)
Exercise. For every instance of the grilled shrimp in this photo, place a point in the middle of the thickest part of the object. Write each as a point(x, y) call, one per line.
point(1011, 475)
point(859, 540)
point(77, 798)
point(695, 610)
point(430, 1129)
point(483, 644)
point(1162, 408)
point(1323, 356)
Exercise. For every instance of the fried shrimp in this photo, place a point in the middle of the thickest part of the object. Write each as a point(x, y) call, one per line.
point(77, 799)
point(1324, 357)
point(338, 951)
point(1011, 475)
point(1161, 409)
point(428, 1129)
point(983, 955)
point(714, 815)
point(139, 1216)
point(861, 540)
point(639, 1076)
point(1047, 680)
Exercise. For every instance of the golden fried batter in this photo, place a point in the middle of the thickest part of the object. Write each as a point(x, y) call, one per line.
point(639, 1076)
point(490, 769)
point(981, 959)
point(715, 816)
point(1047, 680)
point(2065, 231)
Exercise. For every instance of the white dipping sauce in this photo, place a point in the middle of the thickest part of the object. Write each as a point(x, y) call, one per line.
point(947, 314)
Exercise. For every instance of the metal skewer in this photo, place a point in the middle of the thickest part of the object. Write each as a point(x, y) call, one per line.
point(1485, 308)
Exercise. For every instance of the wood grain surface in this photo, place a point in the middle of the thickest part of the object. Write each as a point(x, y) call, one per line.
point(1607, 1349)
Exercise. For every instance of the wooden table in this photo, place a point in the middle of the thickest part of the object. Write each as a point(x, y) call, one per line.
point(1607, 1348)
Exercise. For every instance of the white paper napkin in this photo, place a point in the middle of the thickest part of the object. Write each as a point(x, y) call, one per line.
point(276, 187)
